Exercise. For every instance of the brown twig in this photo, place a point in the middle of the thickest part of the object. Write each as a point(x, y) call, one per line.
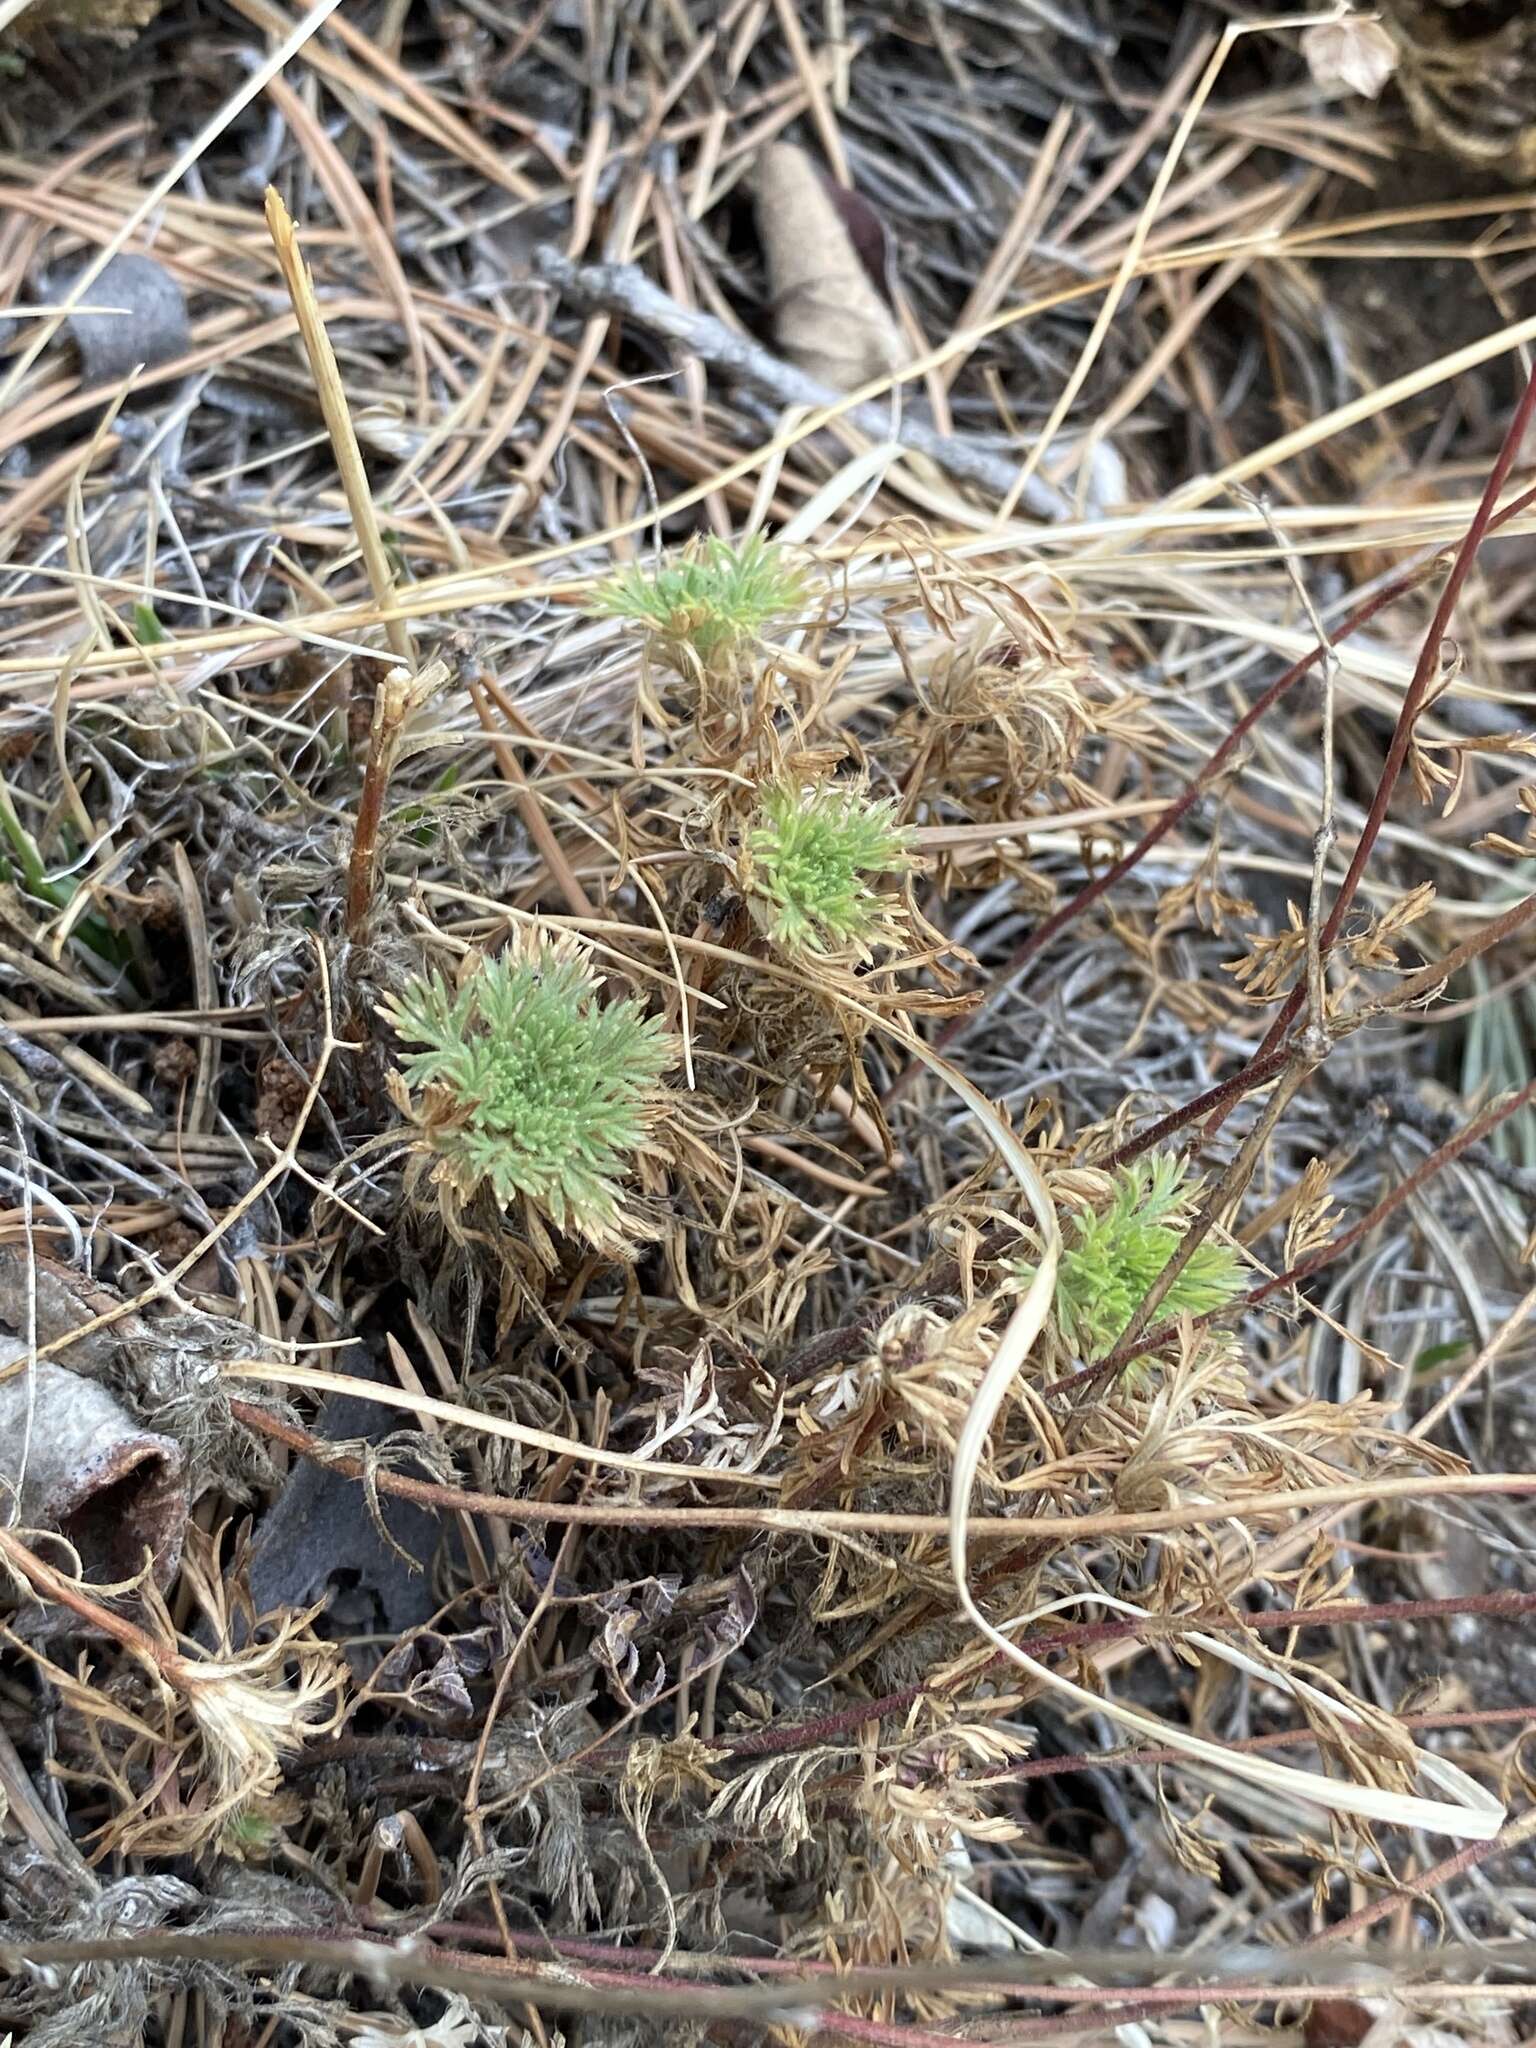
point(1153, 1340)
point(48, 1581)
point(625, 289)
point(391, 706)
point(1325, 1255)
point(1519, 1830)
point(615, 1990)
point(529, 809)
point(832, 1522)
point(1228, 1191)
point(1327, 830)
point(1259, 1071)
point(1254, 1075)
point(824, 1728)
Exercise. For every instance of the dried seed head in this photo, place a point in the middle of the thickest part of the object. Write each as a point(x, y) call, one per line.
point(1014, 712)
point(174, 1061)
point(253, 1710)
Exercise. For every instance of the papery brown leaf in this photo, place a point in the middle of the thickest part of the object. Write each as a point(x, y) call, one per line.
point(829, 319)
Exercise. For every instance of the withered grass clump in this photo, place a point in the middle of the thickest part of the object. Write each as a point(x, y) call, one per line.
point(218, 1722)
point(660, 1103)
point(1003, 716)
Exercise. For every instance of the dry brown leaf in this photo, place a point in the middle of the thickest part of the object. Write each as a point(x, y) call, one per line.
point(1356, 53)
point(829, 319)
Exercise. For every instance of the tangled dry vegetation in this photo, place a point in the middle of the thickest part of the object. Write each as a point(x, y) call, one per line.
point(765, 1017)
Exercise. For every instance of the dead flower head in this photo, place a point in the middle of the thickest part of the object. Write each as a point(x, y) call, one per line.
point(1005, 715)
point(230, 1717)
point(255, 1709)
point(923, 1366)
point(250, 1708)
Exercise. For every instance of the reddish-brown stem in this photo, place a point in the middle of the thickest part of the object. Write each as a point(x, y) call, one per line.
point(673, 1999)
point(1087, 1635)
point(1378, 1909)
point(607, 1965)
point(1427, 1881)
point(617, 1969)
point(1223, 1096)
point(1165, 821)
point(1425, 670)
point(390, 704)
point(776, 1741)
point(1162, 2001)
point(1479, 1127)
point(44, 1579)
point(1224, 1196)
point(1258, 1071)
point(1428, 978)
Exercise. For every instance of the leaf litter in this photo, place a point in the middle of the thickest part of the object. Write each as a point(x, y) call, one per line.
point(824, 1196)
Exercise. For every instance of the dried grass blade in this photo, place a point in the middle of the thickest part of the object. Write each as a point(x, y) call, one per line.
point(338, 422)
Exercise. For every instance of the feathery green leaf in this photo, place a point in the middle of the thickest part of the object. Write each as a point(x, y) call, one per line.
point(1112, 1256)
point(811, 855)
point(549, 1091)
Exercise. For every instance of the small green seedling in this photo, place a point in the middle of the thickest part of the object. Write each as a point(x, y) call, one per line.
point(23, 865)
point(707, 606)
point(249, 1835)
point(1112, 1256)
point(531, 1087)
point(810, 858)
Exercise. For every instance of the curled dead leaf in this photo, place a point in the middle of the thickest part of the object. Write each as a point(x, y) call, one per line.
point(1355, 52)
point(73, 1459)
point(829, 318)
